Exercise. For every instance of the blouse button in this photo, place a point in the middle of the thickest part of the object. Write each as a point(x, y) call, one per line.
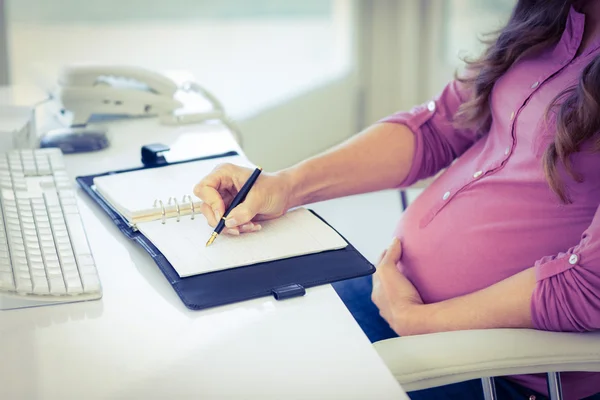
point(536, 84)
point(446, 195)
point(477, 174)
point(431, 106)
point(512, 115)
point(573, 259)
point(507, 151)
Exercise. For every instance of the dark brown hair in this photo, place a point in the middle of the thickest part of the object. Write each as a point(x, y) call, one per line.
point(535, 25)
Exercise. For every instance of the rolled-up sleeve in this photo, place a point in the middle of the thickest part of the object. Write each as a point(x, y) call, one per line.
point(437, 141)
point(567, 292)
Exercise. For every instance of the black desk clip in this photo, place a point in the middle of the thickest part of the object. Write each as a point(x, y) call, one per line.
point(288, 291)
point(152, 154)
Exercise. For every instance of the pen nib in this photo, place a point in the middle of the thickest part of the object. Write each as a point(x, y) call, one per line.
point(212, 239)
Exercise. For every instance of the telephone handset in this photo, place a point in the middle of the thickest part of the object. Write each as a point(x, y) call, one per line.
point(87, 90)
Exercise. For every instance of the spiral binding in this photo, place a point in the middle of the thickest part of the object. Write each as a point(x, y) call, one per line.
point(186, 200)
point(163, 210)
point(176, 207)
point(192, 206)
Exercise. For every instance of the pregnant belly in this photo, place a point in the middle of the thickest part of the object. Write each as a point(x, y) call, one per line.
point(475, 241)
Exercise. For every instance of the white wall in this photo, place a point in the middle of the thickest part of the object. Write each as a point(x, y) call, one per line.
point(286, 71)
point(301, 127)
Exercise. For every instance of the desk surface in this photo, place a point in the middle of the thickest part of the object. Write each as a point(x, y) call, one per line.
point(140, 341)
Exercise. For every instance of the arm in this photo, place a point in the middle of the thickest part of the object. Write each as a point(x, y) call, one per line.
point(503, 305)
point(559, 293)
point(398, 151)
point(378, 158)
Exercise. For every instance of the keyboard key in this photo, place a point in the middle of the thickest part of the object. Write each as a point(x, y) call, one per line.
point(38, 271)
point(91, 282)
point(51, 199)
point(43, 223)
point(77, 234)
point(57, 285)
point(6, 281)
point(74, 285)
point(44, 167)
point(5, 265)
point(71, 276)
point(23, 282)
point(29, 168)
point(68, 201)
point(84, 259)
point(48, 248)
point(40, 285)
point(68, 264)
point(70, 209)
point(20, 265)
point(5, 183)
point(26, 214)
point(66, 194)
point(35, 258)
point(54, 271)
point(50, 255)
point(65, 250)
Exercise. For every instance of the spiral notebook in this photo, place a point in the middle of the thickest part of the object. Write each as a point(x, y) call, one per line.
point(159, 193)
point(158, 203)
point(174, 235)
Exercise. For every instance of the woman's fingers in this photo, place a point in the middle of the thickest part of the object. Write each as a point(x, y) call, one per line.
point(245, 212)
point(208, 213)
point(212, 188)
point(250, 227)
point(212, 221)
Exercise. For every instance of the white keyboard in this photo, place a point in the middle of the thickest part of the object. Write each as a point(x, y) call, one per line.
point(44, 253)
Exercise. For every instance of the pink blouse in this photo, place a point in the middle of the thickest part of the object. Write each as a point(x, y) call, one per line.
point(491, 214)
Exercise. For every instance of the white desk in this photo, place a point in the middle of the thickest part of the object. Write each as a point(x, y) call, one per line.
point(140, 342)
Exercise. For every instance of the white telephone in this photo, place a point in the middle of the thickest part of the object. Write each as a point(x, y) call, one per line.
point(87, 90)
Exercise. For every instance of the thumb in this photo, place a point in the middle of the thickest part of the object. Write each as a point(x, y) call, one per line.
point(394, 252)
point(243, 213)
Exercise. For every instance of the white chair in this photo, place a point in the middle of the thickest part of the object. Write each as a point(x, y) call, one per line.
point(425, 361)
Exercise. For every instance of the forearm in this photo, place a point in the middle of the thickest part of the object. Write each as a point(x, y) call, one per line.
point(503, 305)
point(378, 158)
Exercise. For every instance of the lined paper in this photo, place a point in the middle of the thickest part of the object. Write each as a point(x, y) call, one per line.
point(296, 233)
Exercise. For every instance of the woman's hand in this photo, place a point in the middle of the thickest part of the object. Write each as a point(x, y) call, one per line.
point(268, 198)
point(397, 299)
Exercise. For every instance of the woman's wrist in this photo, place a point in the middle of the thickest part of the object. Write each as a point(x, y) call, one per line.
point(311, 182)
point(292, 181)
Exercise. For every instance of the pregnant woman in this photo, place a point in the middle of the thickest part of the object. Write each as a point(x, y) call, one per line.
point(509, 235)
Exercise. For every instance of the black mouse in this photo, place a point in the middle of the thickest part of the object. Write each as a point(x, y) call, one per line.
point(71, 140)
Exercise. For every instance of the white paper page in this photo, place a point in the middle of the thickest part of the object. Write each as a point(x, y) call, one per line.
point(296, 233)
point(133, 193)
